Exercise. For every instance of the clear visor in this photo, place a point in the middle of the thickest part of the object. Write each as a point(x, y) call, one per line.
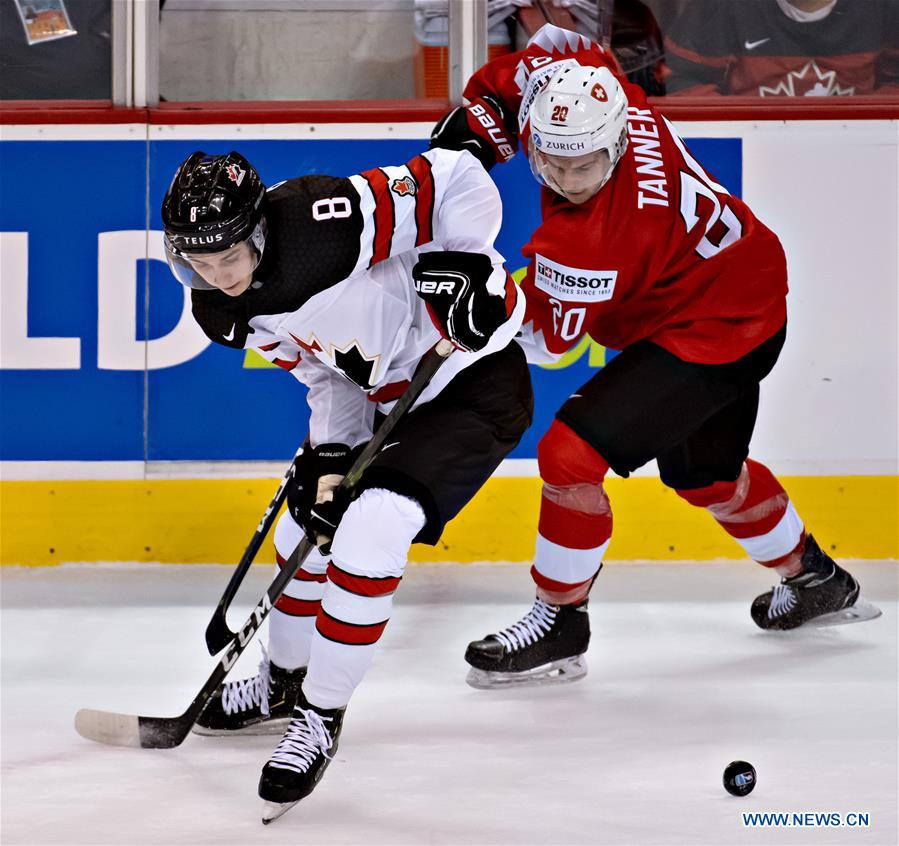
point(577, 178)
point(216, 271)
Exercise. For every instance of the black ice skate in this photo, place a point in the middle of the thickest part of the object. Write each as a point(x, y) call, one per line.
point(300, 760)
point(260, 705)
point(824, 594)
point(546, 646)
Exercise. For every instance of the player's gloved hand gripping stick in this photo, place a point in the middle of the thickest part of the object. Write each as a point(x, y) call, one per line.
point(168, 732)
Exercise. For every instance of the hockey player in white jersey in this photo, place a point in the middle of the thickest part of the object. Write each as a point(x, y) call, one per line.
point(347, 283)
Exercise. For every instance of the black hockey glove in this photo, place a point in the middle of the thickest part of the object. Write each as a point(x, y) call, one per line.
point(314, 498)
point(454, 287)
point(481, 128)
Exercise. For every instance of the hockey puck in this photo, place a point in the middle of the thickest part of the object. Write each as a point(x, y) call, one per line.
point(739, 778)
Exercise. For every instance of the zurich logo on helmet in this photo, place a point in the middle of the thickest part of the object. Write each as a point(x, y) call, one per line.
point(538, 141)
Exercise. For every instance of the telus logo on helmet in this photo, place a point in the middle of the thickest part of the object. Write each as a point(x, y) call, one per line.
point(200, 240)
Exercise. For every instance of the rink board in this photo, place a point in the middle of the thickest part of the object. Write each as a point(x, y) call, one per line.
point(101, 361)
point(100, 335)
point(211, 521)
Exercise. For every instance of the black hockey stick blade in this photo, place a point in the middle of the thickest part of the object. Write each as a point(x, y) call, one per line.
point(167, 732)
point(218, 635)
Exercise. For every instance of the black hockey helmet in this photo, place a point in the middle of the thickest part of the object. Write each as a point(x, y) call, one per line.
point(213, 203)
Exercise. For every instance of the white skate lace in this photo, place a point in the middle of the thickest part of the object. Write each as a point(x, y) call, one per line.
point(530, 628)
point(783, 600)
point(249, 693)
point(306, 737)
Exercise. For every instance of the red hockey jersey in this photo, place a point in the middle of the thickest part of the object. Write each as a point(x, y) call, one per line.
point(662, 252)
point(755, 48)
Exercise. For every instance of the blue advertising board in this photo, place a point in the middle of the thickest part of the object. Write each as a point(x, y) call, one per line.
point(78, 221)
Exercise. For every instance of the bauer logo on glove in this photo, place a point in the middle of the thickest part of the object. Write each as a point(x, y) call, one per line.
point(480, 128)
point(456, 289)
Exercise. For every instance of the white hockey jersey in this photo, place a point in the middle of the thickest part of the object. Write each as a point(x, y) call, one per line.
point(333, 300)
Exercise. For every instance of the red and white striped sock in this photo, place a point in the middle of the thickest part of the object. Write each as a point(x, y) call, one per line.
point(369, 556)
point(292, 620)
point(757, 512)
point(575, 517)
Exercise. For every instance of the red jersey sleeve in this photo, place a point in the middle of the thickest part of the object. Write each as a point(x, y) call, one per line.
point(663, 252)
point(516, 78)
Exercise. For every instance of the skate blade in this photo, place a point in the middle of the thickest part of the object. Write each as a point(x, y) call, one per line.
point(557, 672)
point(269, 727)
point(272, 810)
point(861, 611)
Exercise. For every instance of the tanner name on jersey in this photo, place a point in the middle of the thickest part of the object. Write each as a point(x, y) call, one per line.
point(573, 283)
point(643, 133)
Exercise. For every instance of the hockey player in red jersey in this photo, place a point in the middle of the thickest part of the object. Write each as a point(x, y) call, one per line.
point(347, 283)
point(643, 250)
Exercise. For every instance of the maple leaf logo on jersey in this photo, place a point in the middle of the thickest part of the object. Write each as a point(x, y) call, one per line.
point(809, 81)
point(356, 365)
point(235, 173)
point(404, 186)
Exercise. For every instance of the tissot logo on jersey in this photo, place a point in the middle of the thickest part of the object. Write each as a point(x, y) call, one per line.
point(574, 283)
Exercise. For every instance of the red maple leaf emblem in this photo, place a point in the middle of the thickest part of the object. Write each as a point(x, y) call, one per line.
point(312, 348)
point(404, 186)
point(235, 173)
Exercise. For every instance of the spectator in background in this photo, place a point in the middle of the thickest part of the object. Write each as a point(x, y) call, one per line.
point(794, 48)
point(78, 67)
point(627, 27)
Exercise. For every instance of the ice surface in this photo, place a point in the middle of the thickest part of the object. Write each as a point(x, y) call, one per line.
point(680, 683)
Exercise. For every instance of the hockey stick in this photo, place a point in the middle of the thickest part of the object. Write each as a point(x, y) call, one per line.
point(168, 732)
point(218, 635)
